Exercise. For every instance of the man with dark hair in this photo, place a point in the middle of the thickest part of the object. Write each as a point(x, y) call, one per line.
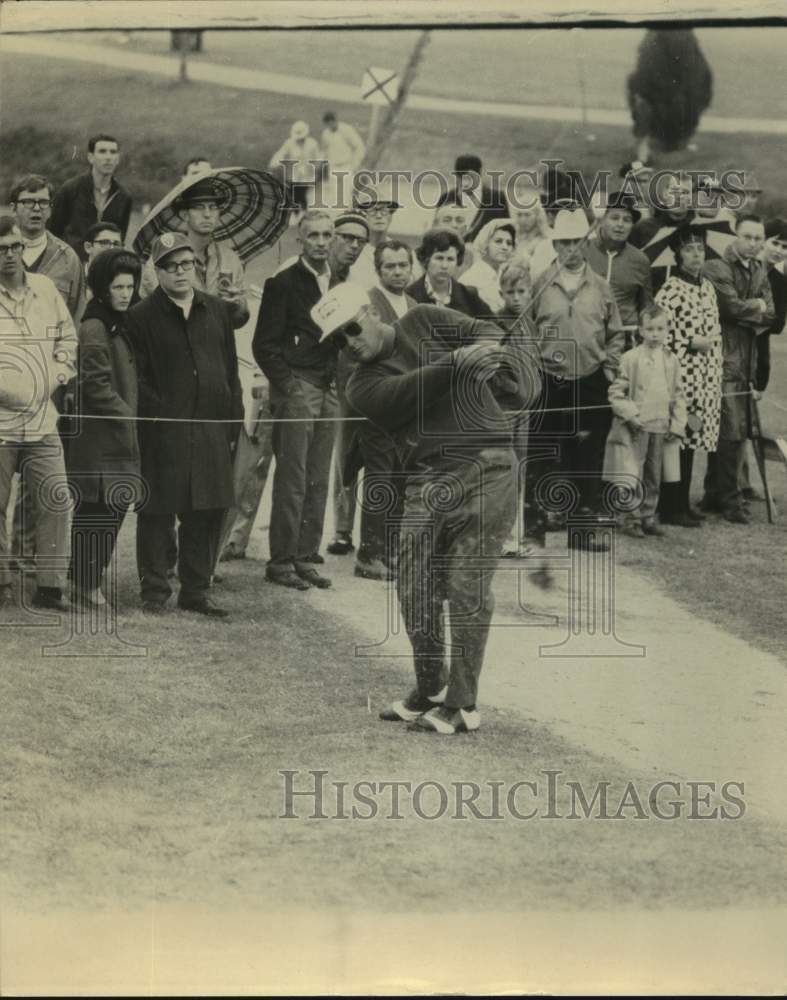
point(92, 197)
point(188, 370)
point(746, 311)
point(39, 336)
point(302, 375)
point(470, 188)
point(31, 201)
point(626, 268)
point(100, 237)
point(195, 166)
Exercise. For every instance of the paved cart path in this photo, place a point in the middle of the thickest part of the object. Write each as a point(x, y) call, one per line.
point(284, 83)
point(700, 704)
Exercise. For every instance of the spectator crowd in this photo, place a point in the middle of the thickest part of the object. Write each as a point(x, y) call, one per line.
point(520, 347)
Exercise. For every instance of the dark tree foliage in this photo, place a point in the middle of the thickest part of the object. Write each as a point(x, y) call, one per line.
point(670, 88)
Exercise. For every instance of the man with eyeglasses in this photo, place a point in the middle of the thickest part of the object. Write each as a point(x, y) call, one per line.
point(378, 213)
point(31, 202)
point(92, 197)
point(38, 346)
point(188, 379)
point(100, 237)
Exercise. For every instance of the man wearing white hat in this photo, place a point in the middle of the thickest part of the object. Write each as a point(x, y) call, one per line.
point(430, 380)
point(300, 157)
point(581, 339)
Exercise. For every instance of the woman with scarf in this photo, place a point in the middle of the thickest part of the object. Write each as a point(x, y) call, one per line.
point(493, 248)
point(103, 457)
point(695, 339)
point(533, 244)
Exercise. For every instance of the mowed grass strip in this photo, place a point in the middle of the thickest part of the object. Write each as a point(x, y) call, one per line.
point(162, 123)
point(128, 780)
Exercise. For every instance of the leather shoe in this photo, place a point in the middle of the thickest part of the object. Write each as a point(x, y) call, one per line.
point(651, 528)
point(286, 577)
point(310, 575)
point(373, 569)
point(696, 515)
point(203, 606)
point(313, 557)
point(50, 599)
point(736, 516)
point(341, 545)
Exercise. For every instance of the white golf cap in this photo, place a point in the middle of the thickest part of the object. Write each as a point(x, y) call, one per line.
point(570, 224)
point(299, 130)
point(339, 306)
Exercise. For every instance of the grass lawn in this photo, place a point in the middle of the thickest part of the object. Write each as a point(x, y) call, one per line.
point(535, 66)
point(162, 123)
point(126, 781)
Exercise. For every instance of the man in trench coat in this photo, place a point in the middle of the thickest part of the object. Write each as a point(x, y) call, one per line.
point(188, 370)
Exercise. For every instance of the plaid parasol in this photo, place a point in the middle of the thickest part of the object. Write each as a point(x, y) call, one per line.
point(717, 234)
point(255, 212)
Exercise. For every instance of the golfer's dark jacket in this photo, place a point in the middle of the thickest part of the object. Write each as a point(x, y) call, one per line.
point(434, 410)
point(286, 340)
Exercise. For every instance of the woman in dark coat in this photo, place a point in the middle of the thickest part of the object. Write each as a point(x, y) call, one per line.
point(103, 457)
point(441, 254)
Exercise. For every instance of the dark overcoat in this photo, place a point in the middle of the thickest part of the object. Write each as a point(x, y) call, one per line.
point(103, 456)
point(187, 369)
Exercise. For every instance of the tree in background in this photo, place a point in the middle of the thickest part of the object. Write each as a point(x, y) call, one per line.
point(669, 90)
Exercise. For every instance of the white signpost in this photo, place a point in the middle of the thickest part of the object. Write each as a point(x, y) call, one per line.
point(379, 89)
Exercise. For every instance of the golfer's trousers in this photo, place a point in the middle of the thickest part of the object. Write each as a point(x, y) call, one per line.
point(453, 529)
point(303, 445)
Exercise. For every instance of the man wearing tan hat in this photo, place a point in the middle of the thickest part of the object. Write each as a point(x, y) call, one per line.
point(582, 339)
point(188, 378)
point(301, 160)
point(430, 380)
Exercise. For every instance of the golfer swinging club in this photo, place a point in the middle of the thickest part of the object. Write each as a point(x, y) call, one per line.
point(435, 380)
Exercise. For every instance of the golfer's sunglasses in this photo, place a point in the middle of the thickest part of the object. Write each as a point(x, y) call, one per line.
point(351, 329)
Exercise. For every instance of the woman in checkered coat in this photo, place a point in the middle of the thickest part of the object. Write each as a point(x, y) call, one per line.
point(695, 339)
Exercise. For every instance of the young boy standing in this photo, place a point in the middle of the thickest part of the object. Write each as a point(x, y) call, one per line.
point(649, 410)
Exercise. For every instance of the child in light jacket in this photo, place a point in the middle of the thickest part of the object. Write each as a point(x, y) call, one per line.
point(649, 419)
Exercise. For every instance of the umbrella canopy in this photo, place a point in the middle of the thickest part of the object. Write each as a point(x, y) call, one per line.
point(256, 209)
point(718, 235)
